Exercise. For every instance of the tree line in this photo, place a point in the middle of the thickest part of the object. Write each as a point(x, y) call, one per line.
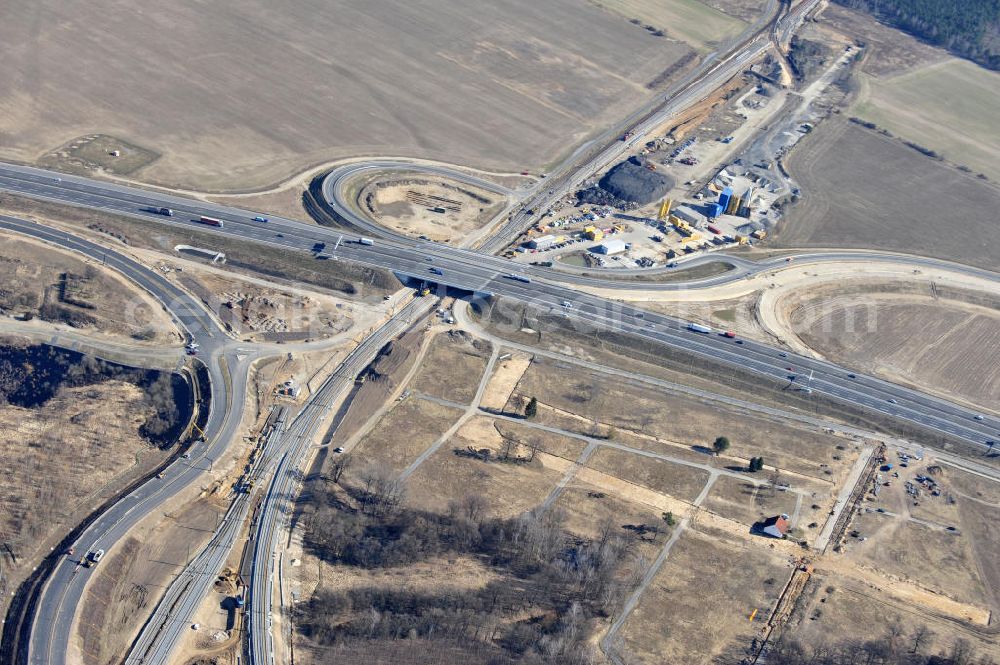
point(548, 589)
point(967, 28)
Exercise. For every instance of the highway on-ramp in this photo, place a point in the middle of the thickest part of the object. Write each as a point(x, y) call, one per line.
point(63, 591)
point(473, 271)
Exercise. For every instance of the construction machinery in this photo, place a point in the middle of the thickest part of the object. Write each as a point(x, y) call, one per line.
point(665, 209)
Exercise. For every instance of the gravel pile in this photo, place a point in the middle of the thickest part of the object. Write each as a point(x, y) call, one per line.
point(631, 181)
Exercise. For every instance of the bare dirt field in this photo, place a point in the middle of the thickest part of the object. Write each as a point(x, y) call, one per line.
point(697, 609)
point(264, 313)
point(59, 287)
point(909, 105)
point(935, 559)
point(452, 368)
point(238, 98)
point(911, 334)
point(439, 210)
point(861, 189)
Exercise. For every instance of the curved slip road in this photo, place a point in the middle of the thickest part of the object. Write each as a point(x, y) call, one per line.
point(473, 271)
point(63, 592)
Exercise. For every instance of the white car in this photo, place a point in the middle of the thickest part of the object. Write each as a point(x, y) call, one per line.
point(566, 303)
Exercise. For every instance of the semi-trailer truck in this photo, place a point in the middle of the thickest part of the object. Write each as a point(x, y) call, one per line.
point(366, 241)
point(211, 221)
point(698, 328)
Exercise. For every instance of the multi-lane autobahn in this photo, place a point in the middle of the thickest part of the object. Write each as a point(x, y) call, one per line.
point(477, 272)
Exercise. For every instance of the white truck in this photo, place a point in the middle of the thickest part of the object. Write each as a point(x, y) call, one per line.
point(366, 241)
point(698, 328)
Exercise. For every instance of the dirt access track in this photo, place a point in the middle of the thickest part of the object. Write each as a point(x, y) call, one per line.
point(242, 97)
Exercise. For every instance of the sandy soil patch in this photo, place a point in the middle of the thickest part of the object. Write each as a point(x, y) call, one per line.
point(438, 210)
point(506, 374)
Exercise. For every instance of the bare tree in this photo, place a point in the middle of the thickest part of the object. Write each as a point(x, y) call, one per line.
point(383, 491)
point(339, 466)
point(921, 636)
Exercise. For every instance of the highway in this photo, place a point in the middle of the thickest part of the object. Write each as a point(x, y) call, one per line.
point(473, 271)
point(549, 293)
point(63, 592)
point(279, 469)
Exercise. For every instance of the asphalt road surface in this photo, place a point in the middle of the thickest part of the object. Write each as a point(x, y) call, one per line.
point(488, 275)
point(63, 592)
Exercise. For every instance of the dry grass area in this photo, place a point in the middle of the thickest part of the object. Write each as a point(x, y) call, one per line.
point(889, 51)
point(60, 287)
point(96, 151)
point(130, 581)
point(453, 367)
point(677, 480)
point(406, 431)
point(557, 445)
point(682, 420)
point(962, 131)
point(60, 455)
point(906, 334)
point(439, 210)
point(745, 10)
point(697, 608)
point(861, 189)
point(588, 506)
point(509, 489)
point(835, 609)
point(746, 503)
point(241, 97)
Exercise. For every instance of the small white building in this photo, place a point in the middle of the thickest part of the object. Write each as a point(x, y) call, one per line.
point(609, 247)
point(542, 242)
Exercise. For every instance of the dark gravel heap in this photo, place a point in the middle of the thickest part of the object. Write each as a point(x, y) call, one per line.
point(631, 181)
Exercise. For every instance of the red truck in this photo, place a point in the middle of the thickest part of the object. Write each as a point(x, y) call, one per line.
point(211, 221)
